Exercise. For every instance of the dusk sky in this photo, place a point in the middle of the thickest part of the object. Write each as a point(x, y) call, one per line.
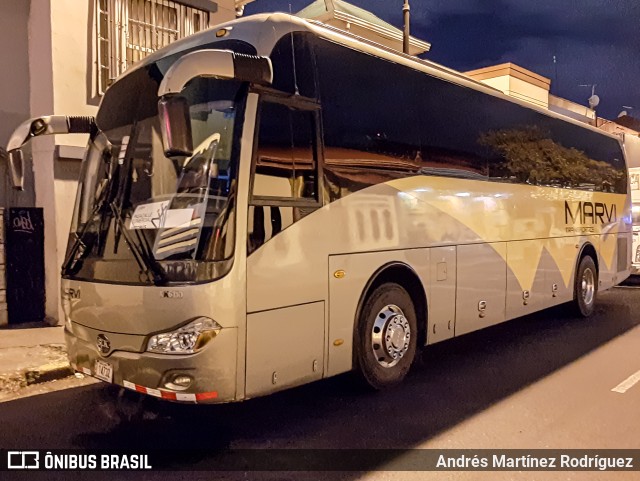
point(594, 41)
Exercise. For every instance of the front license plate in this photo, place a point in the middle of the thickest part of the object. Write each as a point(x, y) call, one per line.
point(103, 370)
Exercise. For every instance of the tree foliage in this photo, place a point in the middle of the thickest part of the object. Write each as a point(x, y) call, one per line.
point(530, 155)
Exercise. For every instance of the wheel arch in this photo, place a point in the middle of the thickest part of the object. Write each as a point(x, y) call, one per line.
point(588, 249)
point(406, 277)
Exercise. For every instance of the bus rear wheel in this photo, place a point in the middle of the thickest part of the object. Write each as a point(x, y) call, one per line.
point(586, 287)
point(386, 336)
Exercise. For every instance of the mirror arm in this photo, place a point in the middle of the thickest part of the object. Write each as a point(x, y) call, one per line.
point(47, 125)
point(50, 125)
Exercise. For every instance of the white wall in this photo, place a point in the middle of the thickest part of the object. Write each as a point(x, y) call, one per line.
point(632, 149)
point(571, 109)
point(528, 92)
point(74, 93)
point(501, 83)
point(41, 103)
point(14, 91)
point(226, 11)
point(14, 66)
point(519, 89)
point(515, 81)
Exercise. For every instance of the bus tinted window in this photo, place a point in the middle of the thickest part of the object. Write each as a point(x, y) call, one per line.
point(388, 117)
point(294, 73)
point(285, 163)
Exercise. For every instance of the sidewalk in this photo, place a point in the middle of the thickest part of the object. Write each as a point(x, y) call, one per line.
point(31, 354)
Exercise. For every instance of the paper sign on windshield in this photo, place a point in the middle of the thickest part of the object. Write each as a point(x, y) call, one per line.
point(178, 217)
point(149, 216)
point(157, 215)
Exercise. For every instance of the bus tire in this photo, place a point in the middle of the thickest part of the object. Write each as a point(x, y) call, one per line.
point(586, 287)
point(386, 336)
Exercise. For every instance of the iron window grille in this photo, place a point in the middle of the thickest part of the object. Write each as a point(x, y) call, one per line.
point(129, 30)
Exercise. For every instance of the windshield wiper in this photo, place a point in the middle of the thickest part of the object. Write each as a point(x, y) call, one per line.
point(72, 259)
point(140, 250)
point(76, 253)
point(148, 265)
point(79, 244)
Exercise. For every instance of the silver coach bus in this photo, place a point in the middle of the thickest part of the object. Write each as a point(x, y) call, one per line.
point(273, 202)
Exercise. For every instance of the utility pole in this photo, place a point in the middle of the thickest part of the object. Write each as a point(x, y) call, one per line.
point(406, 13)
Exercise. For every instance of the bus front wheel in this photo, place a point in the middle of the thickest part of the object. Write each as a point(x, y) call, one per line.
point(586, 287)
point(386, 336)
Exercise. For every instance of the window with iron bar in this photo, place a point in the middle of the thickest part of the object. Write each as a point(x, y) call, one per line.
point(129, 30)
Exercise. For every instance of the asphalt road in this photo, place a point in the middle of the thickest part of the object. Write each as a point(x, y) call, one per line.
point(541, 382)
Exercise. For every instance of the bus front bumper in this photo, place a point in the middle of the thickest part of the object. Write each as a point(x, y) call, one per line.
point(212, 370)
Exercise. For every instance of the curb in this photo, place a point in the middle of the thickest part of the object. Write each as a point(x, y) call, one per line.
point(47, 372)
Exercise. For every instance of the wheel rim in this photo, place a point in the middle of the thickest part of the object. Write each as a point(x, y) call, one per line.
point(588, 286)
point(390, 336)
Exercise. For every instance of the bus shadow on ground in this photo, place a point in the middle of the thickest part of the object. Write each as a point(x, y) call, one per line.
point(451, 382)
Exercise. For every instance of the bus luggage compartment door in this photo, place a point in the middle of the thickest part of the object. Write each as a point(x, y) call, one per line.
point(442, 294)
point(482, 277)
point(285, 348)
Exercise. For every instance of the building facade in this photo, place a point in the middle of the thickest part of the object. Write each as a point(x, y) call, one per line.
point(58, 57)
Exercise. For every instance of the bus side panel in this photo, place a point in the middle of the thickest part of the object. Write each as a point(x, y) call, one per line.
point(607, 260)
point(635, 252)
point(285, 348)
point(559, 261)
point(442, 294)
point(482, 278)
point(526, 283)
point(546, 269)
point(634, 183)
point(625, 259)
point(346, 291)
point(614, 258)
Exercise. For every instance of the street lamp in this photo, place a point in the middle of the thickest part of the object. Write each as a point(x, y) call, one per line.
point(405, 39)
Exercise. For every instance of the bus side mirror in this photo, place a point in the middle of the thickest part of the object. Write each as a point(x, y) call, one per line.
point(222, 64)
point(16, 169)
point(175, 125)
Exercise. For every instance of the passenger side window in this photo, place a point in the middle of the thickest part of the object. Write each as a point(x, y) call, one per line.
point(286, 166)
point(285, 176)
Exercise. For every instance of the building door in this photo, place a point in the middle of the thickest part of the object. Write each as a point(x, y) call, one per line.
point(24, 247)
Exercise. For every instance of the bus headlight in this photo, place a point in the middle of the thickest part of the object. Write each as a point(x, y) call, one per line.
point(187, 339)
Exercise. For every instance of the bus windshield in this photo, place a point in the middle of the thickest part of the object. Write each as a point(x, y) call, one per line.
point(144, 218)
